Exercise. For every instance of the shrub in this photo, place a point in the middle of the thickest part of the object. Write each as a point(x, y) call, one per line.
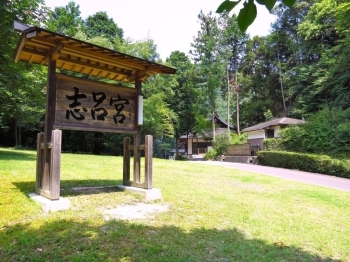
point(293, 138)
point(221, 142)
point(340, 143)
point(226, 138)
point(211, 155)
point(326, 132)
point(272, 144)
point(180, 157)
point(238, 140)
point(306, 162)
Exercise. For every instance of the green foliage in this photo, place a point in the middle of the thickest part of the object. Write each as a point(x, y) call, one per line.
point(158, 118)
point(326, 132)
point(226, 6)
point(162, 147)
point(100, 41)
point(211, 154)
point(343, 18)
point(145, 49)
point(318, 24)
point(293, 138)
point(268, 115)
point(20, 84)
point(183, 98)
point(340, 143)
point(260, 86)
point(92, 142)
point(112, 143)
point(208, 56)
point(238, 139)
point(269, 4)
point(221, 142)
point(306, 162)
point(65, 20)
point(288, 3)
point(323, 78)
point(248, 13)
point(99, 24)
point(232, 45)
point(272, 144)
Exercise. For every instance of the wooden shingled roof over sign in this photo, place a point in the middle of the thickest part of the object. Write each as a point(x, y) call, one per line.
point(37, 44)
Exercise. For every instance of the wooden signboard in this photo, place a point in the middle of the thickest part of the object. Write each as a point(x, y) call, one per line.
point(87, 105)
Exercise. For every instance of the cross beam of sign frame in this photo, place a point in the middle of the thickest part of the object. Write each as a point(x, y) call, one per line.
point(79, 104)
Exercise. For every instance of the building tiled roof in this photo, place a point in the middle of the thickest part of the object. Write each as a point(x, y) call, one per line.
point(221, 126)
point(205, 134)
point(275, 122)
point(224, 123)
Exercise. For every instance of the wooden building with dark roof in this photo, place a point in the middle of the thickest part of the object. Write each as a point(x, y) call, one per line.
point(198, 144)
point(270, 129)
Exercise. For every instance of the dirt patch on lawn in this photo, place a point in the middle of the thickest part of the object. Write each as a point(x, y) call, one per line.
point(138, 211)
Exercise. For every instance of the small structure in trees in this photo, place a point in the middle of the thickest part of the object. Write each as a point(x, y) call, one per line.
point(76, 103)
point(269, 129)
point(199, 144)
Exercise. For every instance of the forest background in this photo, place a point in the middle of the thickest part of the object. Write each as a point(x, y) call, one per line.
point(300, 70)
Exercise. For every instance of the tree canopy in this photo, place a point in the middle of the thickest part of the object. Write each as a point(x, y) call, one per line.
point(299, 69)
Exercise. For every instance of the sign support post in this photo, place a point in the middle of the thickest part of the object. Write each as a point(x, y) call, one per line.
point(137, 136)
point(49, 144)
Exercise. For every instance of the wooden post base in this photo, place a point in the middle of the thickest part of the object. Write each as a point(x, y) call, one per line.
point(148, 148)
point(48, 174)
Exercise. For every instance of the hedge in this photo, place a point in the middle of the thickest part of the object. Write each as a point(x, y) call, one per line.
point(306, 162)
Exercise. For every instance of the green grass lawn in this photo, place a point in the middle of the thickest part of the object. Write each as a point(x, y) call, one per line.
point(215, 214)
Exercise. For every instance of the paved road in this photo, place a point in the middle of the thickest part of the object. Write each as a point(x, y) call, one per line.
point(306, 177)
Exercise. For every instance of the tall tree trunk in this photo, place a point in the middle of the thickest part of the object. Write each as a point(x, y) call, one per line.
point(228, 101)
point(18, 134)
point(280, 74)
point(238, 128)
point(213, 122)
point(237, 103)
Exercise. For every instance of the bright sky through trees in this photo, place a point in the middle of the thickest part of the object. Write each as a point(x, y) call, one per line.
point(171, 24)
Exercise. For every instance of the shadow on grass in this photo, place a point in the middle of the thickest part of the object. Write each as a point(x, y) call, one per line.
point(76, 187)
point(16, 155)
point(77, 240)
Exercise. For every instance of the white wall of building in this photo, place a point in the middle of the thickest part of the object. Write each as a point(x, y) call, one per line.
point(256, 134)
point(277, 130)
point(189, 146)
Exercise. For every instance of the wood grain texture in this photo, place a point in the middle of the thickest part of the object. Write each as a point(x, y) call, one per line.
point(148, 161)
point(88, 105)
point(38, 45)
point(55, 169)
point(126, 161)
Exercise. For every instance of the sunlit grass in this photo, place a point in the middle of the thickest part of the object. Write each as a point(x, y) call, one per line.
point(216, 214)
